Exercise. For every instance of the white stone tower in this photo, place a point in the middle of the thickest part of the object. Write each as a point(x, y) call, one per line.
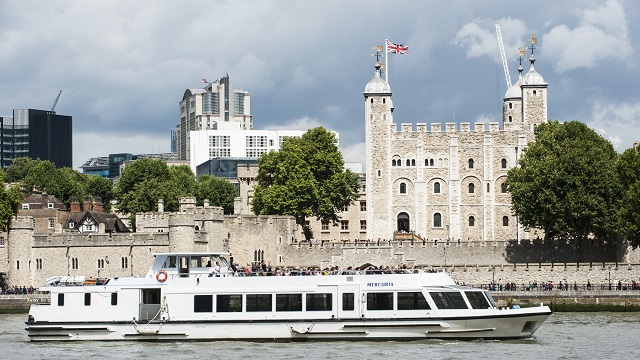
point(378, 111)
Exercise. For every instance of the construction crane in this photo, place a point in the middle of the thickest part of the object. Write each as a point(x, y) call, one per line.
point(53, 107)
point(504, 58)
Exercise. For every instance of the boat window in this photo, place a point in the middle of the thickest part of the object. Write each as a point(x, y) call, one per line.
point(448, 300)
point(477, 300)
point(288, 302)
point(114, 298)
point(60, 299)
point(412, 301)
point(380, 301)
point(87, 299)
point(202, 303)
point(151, 296)
point(348, 301)
point(490, 299)
point(319, 302)
point(170, 262)
point(259, 302)
point(229, 303)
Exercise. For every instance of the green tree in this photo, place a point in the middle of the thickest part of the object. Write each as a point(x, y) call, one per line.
point(628, 167)
point(9, 201)
point(142, 184)
point(566, 184)
point(102, 187)
point(220, 192)
point(19, 169)
point(305, 178)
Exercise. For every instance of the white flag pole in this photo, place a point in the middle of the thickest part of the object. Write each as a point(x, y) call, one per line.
point(386, 61)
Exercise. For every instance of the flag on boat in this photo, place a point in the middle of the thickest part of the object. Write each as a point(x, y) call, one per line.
point(397, 48)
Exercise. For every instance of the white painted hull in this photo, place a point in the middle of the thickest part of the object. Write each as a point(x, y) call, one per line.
point(497, 324)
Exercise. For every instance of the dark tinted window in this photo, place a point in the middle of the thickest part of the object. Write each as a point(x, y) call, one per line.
point(259, 302)
point(380, 301)
point(229, 303)
point(60, 299)
point(87, 299)
point(477, 300)
point(202, 303)
point(448, 300)
point(412, 301)
point(348, 301)
point(288, 302)
point(319, 302)
point(114, 298)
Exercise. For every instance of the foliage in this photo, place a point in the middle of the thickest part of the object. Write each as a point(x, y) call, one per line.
point(19, 169)
point(305, 178)
point(102, 187)
point(628, 167)
point(142, 183)
point(566, 183)
point(9, 201)
point(220, 192)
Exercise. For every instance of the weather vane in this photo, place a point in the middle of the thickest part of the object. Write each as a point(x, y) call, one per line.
point(378, 49)
point(533, 42)
point(521, 54)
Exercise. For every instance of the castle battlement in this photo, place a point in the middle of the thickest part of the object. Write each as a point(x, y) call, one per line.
point(22, 222)
point(465, 127)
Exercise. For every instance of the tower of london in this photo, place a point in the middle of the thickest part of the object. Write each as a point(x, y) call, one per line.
point(447, 184)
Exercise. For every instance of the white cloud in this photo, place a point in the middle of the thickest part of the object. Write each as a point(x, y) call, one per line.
point(354, 153)
point(616, 122)
point(304, 123)
point(602, 34)
point(480, 38)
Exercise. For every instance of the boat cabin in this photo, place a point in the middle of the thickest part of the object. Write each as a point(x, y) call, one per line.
point(190, 265)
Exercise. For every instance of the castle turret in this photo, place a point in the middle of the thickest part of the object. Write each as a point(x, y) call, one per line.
point(534, 97)
point(378, 122)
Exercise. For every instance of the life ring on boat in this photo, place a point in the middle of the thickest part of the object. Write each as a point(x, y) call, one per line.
point(161, 276)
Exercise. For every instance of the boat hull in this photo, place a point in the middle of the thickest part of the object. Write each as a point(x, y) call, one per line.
point(496, 324)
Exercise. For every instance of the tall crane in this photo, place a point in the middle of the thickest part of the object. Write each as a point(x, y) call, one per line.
point(504, 58)
point(53, 107)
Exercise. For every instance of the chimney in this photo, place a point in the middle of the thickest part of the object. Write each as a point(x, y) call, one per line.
point(97, 204)
point(206, 203)
point(160, 206)
point(75, 205)
point(86, 204)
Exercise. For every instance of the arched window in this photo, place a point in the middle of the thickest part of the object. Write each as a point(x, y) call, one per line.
point(488, 187)
point(379, 173)
point(384, 101)
point(384, 116)
point(504, 163)
point(535, 92)
point(393, 162)
point(426, 162)
point(403, 188)
point(399, 162)
point(403, 222)
point(472, 221)
point(503, 188)
point(431, 162)
point(372, 100)
point(413, 162)
point(437, 220)
point(470, 163)
point(408, 162)
point(436, 188)
point(505, 221)
point(510, 118)
point(510, 106)
point(472, 188)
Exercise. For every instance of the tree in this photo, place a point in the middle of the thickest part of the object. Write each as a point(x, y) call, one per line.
point(9, 201)
point(220, 192)
point(566, 184)
point(102, 187)
point(19, 169)
point(628, 167)
point(141, 179)
point(305, 178)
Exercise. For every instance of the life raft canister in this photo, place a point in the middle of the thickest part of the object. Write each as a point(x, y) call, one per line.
point(161, 276)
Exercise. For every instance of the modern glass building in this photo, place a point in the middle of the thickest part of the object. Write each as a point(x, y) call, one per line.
point(37, 134)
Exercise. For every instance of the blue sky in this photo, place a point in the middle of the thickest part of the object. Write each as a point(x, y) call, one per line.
point(123, 66)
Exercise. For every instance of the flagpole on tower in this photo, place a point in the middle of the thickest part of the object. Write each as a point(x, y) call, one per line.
point(386, 61)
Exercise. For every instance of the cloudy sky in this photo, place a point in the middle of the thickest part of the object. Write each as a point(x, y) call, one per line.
point(123, 66)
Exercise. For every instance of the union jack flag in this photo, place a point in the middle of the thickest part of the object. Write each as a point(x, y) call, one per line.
point(204, 81)
point(397, 48)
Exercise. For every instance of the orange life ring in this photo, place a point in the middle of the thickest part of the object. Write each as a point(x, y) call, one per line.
point(161, 276)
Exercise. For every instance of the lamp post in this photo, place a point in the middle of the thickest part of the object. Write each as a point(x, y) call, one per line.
point(609, 277)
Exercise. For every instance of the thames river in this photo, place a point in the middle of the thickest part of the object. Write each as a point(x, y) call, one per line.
point(562, 336)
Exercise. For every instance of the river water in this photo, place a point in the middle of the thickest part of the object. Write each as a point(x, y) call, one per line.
point(562, 336)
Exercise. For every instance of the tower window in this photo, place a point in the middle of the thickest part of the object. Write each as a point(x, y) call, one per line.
point(431, 162)
point(471, 188)
point(472, 221)
point(510, 119)
point(384, 101)
point(504, 163)
point(379, 173)
point(426, 162)
point(535, 92)
point(408, 162)
point(436, 188)
point(413, 162)
point(503, 188)
point(510, 105)
point(372, 100)
point(437, 220)
point(393, 162)
point(505, 221)
point(470, 163)
point(403, 188)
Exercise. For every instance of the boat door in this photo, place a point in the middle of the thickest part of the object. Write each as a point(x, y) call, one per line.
point(149, 304)
point(349, 305)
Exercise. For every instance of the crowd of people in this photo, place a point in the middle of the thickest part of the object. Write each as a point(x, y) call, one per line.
point(17, 290)
point(562, 286)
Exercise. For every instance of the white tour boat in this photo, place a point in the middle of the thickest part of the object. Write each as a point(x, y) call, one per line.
point(184, 297)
